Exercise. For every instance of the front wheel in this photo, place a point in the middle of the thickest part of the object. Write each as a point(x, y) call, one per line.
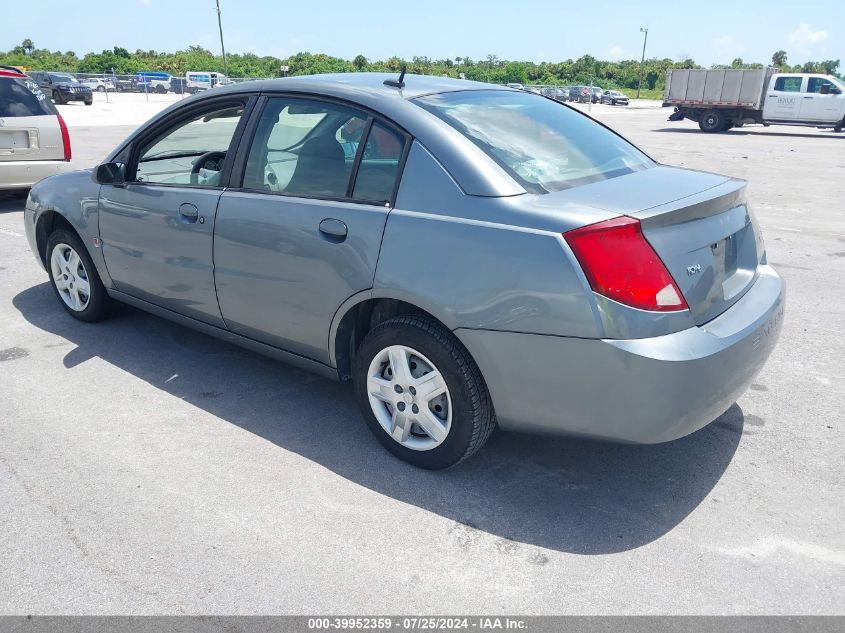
point(421, 393)
point(74, 277)
point(89, 102)
point(57, 97)
point(101, 88)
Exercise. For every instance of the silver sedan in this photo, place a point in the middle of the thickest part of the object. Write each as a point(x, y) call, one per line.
point(467, 255)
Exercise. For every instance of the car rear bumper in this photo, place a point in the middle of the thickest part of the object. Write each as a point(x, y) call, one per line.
point(642, 391)
point(20, 174)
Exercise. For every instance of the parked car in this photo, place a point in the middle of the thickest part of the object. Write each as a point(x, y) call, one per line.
point(580, 94)
point(34, 140)
point(516, 86)
point(178, 85)
point(614, 97)
point(98, 85)
point(558, 94)
point(595, 94)
point(149, 81)
point(459, 272)
point(199, 81)
point(62, 87)
point(125, 84)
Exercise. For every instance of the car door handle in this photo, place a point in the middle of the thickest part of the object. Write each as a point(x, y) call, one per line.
point(808, 97)
point(334, 230)
point(189, 212)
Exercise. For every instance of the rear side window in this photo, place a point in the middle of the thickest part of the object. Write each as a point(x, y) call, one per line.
point(543, 145)
point(379, 166)
point(814, 84)
point(304, 148)
point(23, 97)
point(788, 84)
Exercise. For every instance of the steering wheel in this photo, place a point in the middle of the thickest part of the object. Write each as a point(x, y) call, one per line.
point(200, 162)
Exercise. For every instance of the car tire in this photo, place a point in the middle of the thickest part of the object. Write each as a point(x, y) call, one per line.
point(101, 88)
point(460, 411)
point(57, 98)
point(712, 121)
point(89, 101)
point(66, 274)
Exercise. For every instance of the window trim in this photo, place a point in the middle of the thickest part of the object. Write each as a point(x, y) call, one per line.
point(248, 137)
point(167, 124)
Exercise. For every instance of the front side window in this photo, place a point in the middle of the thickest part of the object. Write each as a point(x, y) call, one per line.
point(193, 152)
point(379, 166)
point(788, 84)
point(543, 145)
point(304, 148)
point(814, 84)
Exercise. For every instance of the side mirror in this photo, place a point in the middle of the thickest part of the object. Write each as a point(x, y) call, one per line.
point(110, 174)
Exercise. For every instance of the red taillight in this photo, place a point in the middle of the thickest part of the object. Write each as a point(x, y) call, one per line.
point(65, 136)
point(620, 264)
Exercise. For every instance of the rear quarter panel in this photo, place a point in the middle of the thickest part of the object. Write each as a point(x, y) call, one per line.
point(474, 273)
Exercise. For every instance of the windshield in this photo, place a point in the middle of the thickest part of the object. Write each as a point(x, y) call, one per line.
point(542, 144)
point(62, 78)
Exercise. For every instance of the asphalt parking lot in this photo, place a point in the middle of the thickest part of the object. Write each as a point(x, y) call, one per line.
point(147, 469)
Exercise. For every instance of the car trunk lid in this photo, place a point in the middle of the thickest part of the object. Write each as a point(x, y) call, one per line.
point(698, 223)
point(31, 138)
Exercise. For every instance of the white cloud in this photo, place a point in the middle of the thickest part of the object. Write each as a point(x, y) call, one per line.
point(727, 48)
point(615, 53)
point(804, 40)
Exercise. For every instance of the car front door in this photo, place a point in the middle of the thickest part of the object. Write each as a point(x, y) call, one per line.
point(302, 233)
point(157, 228)
point(783, 99)
point(821, 100)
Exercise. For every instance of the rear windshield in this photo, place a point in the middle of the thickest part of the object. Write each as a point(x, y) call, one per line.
point(22, 97)
point(544, 145)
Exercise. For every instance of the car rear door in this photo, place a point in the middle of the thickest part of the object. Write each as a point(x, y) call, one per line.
point(157, 227)
point(29, 123)
point(302, 232)
point(783, 99)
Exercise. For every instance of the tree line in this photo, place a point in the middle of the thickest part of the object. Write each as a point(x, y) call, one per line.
point(622, 74)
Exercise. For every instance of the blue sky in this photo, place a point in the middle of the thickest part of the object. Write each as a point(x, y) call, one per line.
point(530, 30)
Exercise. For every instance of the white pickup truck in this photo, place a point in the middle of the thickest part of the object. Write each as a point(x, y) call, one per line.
point(721, 99)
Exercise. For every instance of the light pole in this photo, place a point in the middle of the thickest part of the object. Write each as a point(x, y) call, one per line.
point(642, 61)
point(222, 47)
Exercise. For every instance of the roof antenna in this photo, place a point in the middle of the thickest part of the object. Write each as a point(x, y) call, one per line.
point(401, 82)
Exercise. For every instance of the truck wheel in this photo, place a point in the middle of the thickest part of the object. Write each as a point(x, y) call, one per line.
point(712, 121)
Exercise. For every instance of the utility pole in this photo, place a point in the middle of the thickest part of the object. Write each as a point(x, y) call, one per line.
point(222, 47)
point(642, 61)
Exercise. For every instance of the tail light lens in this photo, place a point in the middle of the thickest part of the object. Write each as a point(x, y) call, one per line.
point(65, 137)
point(619, 263)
